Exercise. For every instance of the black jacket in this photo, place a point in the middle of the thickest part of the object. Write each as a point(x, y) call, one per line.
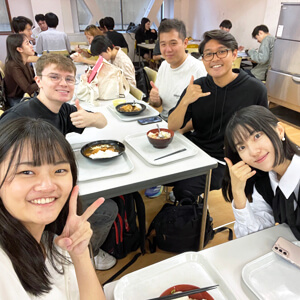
point(211, 114)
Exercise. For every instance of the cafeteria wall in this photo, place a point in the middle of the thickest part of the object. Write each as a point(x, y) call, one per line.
point(198, 15)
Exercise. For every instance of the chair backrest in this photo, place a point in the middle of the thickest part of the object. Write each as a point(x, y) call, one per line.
point(125, 50)
point(137, 93)
point(152, 74)
point(237, 63)
point(62, 52)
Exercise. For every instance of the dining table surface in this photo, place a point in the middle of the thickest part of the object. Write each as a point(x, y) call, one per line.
point(225, 261)
point(141, 171)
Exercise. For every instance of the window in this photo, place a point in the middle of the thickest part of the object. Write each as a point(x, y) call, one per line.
point(5, 19)
point(122, 11)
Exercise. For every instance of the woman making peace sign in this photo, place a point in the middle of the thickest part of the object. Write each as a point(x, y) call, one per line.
point(262, 173)
point(43, 241)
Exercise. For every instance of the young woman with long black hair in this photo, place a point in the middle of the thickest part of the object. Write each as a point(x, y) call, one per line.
point(43, 237)
point(262, 175)
point(19, 75)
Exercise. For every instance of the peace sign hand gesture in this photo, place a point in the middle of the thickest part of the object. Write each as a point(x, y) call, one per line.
point(77, 232)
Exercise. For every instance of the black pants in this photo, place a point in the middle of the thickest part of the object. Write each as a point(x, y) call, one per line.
point(196, 185)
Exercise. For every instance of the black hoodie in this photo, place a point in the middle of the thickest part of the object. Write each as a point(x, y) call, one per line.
point(211, 114)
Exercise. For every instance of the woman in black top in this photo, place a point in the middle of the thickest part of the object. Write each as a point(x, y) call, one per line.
point(143, 34)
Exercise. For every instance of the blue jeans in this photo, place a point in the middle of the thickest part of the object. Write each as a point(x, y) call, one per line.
point(101, 221)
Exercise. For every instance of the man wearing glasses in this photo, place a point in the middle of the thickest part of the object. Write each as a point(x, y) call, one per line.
point(209, 102)
point(56, 80)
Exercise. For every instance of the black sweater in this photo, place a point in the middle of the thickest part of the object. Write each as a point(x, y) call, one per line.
point(211, 114)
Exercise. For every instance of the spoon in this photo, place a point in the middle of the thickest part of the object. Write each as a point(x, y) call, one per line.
point(160, 135)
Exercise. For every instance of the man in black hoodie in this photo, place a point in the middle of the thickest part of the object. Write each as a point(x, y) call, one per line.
point(208, 103)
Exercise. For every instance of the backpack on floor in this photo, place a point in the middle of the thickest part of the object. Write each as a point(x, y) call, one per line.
point(125, 236)
point(177, 227)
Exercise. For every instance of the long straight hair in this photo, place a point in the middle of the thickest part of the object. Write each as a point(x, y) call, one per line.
point(245, 122)
point(14, 41)
point(48, 146)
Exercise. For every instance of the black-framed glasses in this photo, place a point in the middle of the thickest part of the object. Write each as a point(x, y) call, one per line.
point(222, 53)
point(70, 80)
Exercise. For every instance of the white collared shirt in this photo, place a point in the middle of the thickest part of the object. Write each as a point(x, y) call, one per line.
point(258, 215)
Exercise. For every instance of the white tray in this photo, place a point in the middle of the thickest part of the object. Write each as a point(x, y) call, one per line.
point(148, 112)
point(92, 169)
point(140, 143)
point(271, 277)
point(186, 268)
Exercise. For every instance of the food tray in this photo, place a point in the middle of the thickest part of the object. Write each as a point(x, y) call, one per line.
point(92, 169)
point(140, 143)
point(270, 277)
point(148, 112)
point(186, 268)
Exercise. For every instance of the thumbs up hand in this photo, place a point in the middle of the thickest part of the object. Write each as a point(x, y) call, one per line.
point(154, 95)
point(193, 92)
point(80, 118)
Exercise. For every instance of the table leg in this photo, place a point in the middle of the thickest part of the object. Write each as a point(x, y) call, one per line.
point(203, 224)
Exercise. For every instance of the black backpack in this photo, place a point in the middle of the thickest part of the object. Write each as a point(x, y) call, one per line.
point(143, 82)
point(125, 236)
point(177, 227)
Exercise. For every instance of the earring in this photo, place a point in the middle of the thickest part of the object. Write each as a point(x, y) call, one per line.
point(283, 139)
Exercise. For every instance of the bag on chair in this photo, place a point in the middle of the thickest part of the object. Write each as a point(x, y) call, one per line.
point(108, 84)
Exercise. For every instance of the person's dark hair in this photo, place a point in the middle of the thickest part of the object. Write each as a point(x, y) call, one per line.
point(48, 146)
point(101, 23)
point(39, 17)
point(18, 24)
point(143, 23)
point(263, 28)
point(100, 44)
point(226, 24)
point(62, 63)
point(243, 123)
point(51, 20)
point(14, 41)
point(172, 24)
point(109, 23)
point(223, 37)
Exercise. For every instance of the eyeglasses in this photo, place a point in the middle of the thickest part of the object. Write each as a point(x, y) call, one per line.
point(208, 56)
point(70, 80)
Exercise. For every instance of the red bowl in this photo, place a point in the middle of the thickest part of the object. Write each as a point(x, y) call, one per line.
point(160, 143)
point(187, 287)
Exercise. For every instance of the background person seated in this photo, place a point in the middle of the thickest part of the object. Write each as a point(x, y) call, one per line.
point(143, 34)
point(85, 55)
point(116, 37)
point(225, 25)
point(42, 26)
point(103, 46)
point(19, 76)
point(263, 55)
point(51, 39)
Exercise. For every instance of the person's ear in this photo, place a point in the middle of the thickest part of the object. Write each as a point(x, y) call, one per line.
point(185, 42)
point(38, 81)
point(19, 49)
point(280, 130)
point(234, 54)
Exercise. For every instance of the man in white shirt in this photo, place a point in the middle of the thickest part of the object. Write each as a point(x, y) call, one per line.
point(42, 26)
point(51, 39)
point(175, 72)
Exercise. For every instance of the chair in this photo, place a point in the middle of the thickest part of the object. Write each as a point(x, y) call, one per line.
point(137, 93)
point(237, 63)
point(62, 52)
point(125, 50)
point(152, 74)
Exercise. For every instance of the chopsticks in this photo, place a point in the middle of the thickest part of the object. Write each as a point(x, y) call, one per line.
point(191, 292)
point(181, 150)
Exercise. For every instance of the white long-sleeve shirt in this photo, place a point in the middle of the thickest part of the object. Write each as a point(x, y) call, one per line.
point(258, 215)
